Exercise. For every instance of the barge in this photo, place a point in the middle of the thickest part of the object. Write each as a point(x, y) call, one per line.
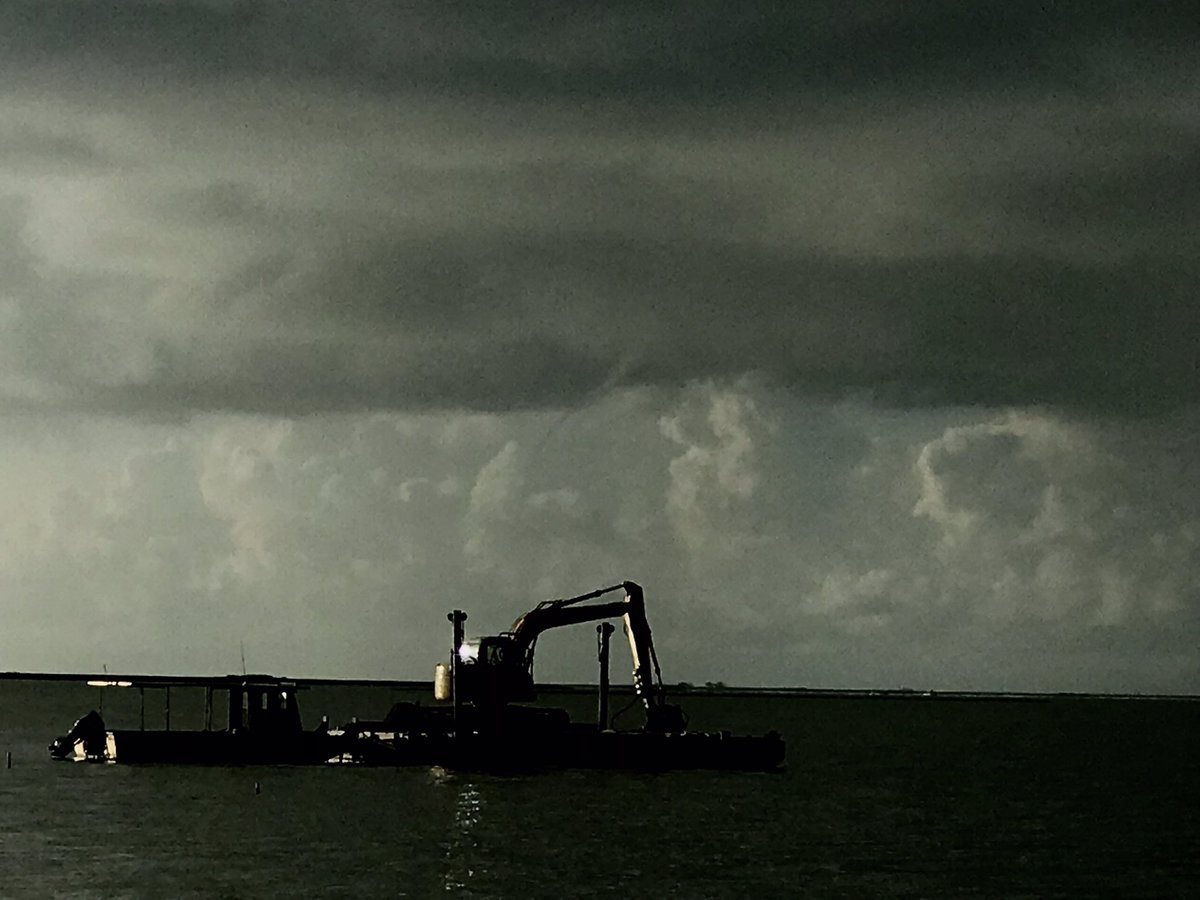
point(479, 724)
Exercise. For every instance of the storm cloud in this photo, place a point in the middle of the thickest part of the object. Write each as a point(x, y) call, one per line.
point(865, 338)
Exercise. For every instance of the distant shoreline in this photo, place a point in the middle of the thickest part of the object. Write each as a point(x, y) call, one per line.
point(710, 690)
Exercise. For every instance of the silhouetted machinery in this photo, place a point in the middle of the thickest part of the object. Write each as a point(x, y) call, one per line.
point(491, 672)
point(484, 727)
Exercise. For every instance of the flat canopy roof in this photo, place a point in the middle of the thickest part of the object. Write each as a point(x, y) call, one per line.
point(210, 681)
point(213, 680)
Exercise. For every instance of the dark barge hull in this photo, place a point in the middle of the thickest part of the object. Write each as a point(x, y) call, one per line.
point(577, 748)
point(222, 748)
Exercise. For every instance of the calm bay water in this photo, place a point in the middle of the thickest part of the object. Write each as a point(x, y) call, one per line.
point(881, 798)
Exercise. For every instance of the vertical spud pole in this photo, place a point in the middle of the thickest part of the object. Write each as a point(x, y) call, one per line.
point(603, 632)
point(457, 617)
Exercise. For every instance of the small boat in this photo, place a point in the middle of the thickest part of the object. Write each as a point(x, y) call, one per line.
point(262, 725)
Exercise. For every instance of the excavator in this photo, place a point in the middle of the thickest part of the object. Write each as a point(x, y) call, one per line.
point(491, 672)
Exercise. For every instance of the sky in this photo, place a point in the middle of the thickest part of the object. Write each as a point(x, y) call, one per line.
point(863, 336)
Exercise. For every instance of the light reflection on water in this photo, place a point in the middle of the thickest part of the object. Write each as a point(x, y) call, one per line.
point(462, 846)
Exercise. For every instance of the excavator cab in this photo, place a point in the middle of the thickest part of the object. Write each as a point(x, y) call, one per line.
point(491, 670)
point(489, 651)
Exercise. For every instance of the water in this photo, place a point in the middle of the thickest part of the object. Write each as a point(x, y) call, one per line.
point(881, 798)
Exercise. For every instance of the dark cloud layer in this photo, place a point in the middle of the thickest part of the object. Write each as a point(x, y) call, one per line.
point(304, 207)
point(538, 50)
